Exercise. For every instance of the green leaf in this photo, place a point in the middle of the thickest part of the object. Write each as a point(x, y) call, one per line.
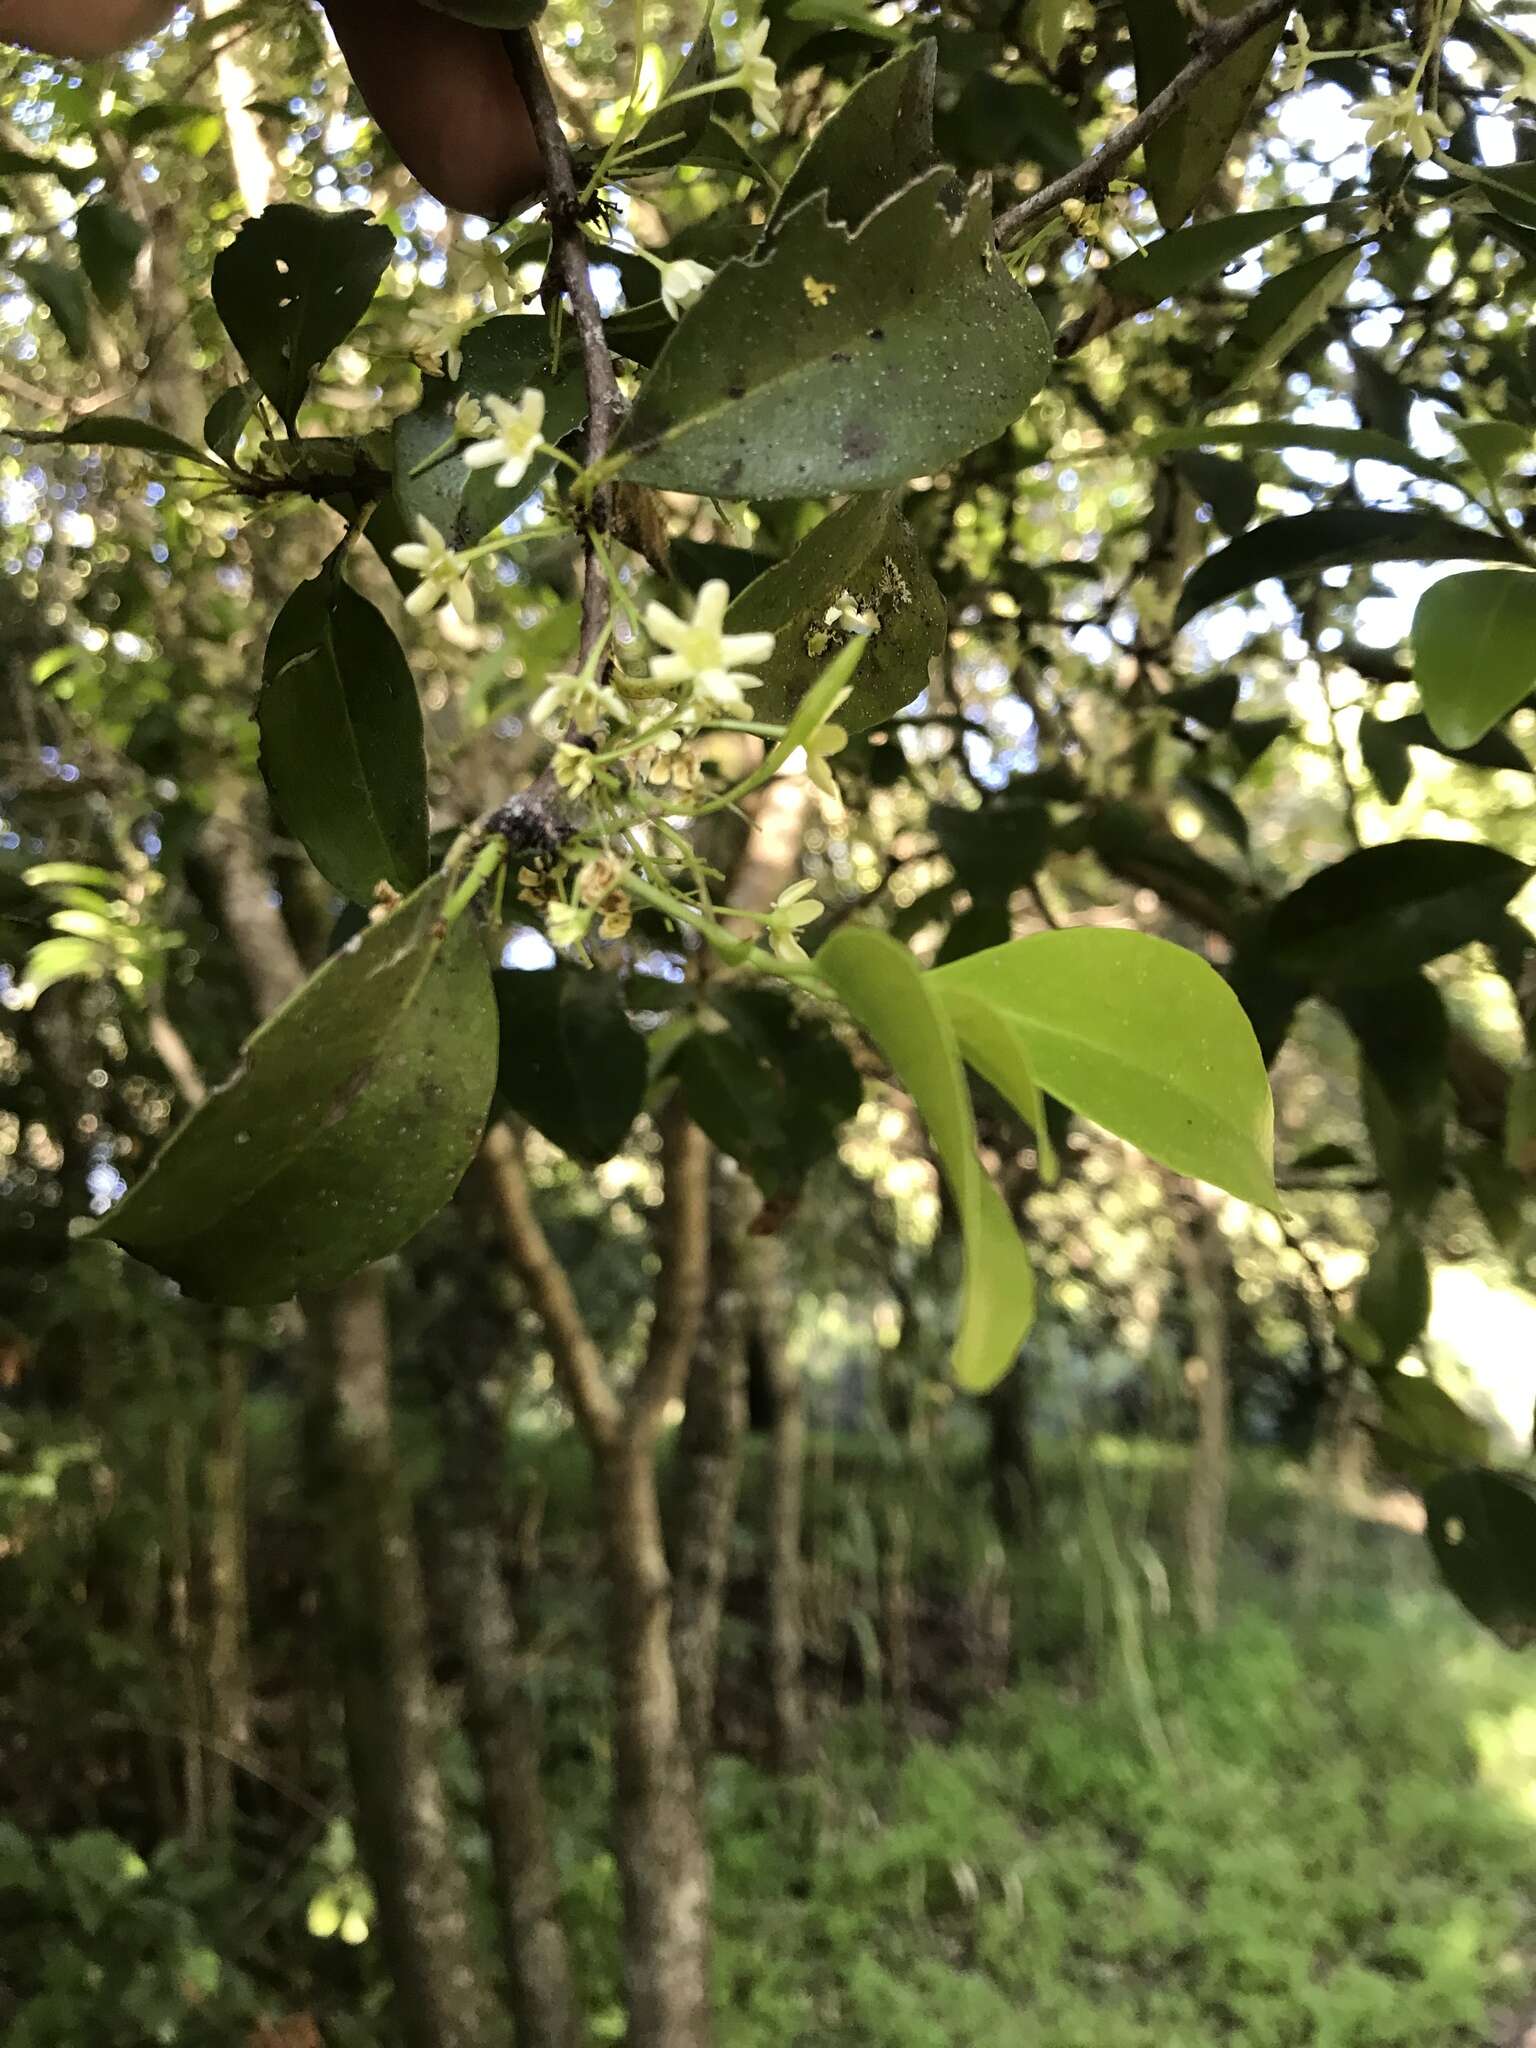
point(347, 1126)
point(1384, 751)
point(571, 1064)
point(342, 747)
point(1228, 488)
point(228, 417)
point(1338, 536)
point(1350, 444)
point(1189, 255)
point(1141, 1036)
point(1404, 1038)
point(876, 144)
point(503, 357)
point(1494, 750)
point(991, 1042)
point(1185, 154)
point(1378, 914)
point(1421, 1431)
point(838, 361)
point(1474, 650)
point(1482, 1530)
point(673, 135)
point(291, 287)
point(773, 1091)
point(1393, 1302)
point(109, 241)
point(60, 290)
point(1284, 309)
point(111, 430)
point(883, 988)
point(20, 163)
point(1009, 121)
point(998, 847)
point(867, 549)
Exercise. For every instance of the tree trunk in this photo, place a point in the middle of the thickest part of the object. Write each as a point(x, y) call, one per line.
point(708, 1470)
point(663, 1857)
point(896, 1617)
point(179, 1578)
point(1205, 1519)
point(762, 1260)
point(229, 1697)
point(378, 1618)
point(1011, 1467)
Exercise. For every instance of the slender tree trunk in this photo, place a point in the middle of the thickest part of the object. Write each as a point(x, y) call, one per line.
point(1011, 1466)
point(896, 1617)
point(708, 1469)
point(179, 1560)
point(1205, 1518)
point(762, 1262)
point(229, 1696)
point(391, 1709)
point(663, 1856)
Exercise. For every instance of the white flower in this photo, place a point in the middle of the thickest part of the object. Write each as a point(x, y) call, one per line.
point(852, 617)
point(575, 769)
point(791, 913)
point(681, 283)
point(704, 657)
point(437, 338)
point(461, 632)
point(1293, 72)
point(577, 700)
point(1400, 117)
point(444, 579)
point(482, 271)
point(511, 437)
point(759, 79)
point(469, 417)
point(566, 924)
point(819, 748)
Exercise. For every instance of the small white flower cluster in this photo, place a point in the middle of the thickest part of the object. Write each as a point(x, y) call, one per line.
point(497, 434)
point(1401, 117)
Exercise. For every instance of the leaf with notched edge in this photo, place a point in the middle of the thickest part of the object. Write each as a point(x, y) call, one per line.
point(837, 361)
point(877, 142)
point(347, 1126)
point(867, 549)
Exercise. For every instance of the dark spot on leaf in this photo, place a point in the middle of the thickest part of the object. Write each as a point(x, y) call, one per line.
point(729, 474)
point(735, 390)
point(841, 356)
point(861, 442)
point(877, 334)
point(347, 1094)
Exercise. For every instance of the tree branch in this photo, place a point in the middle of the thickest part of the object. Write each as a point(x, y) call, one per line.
point(1211, 46)
point(578, 1362)
point(683, 1282)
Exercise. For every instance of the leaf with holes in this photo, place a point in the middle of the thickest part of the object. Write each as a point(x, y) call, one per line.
point(890, 999)
point(291, 287)
point(837, 361)
point(348, 1124)
point(342, 748)
point(865, 550)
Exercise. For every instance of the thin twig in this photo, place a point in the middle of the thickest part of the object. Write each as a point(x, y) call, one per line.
point(1210, 46)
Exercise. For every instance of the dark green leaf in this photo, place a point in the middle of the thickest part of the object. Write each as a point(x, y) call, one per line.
point(572, 1064)
point(842, 362)
point(773, 1091)
point(1384, 750)
point(1378, 914)
point(503, 14)
point(109, 241)
point(342, 748)
point(291, 287)
point(19, 163)
point(110, 430)
point(504, 357)
point(1494, 750)
point(674, 135)
point(1323, 1158)
point(1282, 312)
point(1474, 650)
point(1422, 1432)
point(60, 290)
point(1228, 488)
point(1190, 255)
point(1210, 703)
point(1393, 1302)
point(1185, 154)
point(1338, 536)
point(228, 417)
point(1218, 807)
point(1009, 121)
point(1350, 444)
point(998, 847)
point(986, 923)
point(1482, 1529)
point(877, 143)
point(867, 549)
point(347, 1126)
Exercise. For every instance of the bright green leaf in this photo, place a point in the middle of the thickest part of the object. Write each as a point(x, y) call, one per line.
point(838, 361)
point(1142, 1037)
point(1474, 650)
point(890, 998)
point(348, 1124)
point(342, 747)
point(291, 287)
